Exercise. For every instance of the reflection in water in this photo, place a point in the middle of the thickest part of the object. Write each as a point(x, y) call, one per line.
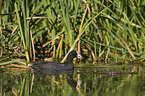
point(94, 81)
point(51, 73)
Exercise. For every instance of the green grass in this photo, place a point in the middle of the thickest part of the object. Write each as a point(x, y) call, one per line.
point(106, 30)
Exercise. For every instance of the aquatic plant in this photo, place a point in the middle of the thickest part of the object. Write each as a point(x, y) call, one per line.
point(102, 30)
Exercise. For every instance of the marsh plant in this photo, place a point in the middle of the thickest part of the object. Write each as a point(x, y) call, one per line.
point(105, 30)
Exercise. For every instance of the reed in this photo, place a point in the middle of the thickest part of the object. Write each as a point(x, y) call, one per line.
point(48, 28)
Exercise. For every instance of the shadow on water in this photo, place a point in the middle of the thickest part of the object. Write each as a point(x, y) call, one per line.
point(82, 81)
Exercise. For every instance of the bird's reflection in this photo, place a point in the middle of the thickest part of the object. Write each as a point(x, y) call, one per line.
point(69, 74)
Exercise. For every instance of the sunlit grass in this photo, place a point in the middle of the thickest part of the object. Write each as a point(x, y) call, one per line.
point(107, 30)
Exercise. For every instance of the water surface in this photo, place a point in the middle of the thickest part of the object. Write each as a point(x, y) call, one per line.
point(102, 80)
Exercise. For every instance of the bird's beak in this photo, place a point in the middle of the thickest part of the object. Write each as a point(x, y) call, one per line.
point(79, 56)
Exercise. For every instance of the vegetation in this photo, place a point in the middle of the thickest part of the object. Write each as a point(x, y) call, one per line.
point(100, 29)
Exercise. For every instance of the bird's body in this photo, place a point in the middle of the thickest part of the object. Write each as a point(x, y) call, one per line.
point(55, 65)
point(51, 66)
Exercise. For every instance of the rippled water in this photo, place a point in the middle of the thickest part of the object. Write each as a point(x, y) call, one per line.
point(82, 81)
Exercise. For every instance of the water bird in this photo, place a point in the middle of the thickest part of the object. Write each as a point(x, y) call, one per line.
point(57, 66)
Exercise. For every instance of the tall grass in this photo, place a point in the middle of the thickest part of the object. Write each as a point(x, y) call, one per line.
point(104, 30)
point(24, 25)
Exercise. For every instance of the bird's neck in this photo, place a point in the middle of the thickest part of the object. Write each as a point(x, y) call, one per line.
point(69, 60)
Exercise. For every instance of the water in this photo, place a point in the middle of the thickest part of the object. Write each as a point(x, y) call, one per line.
point(82, 81)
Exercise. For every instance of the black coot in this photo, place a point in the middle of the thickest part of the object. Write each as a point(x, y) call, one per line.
point(57, 66)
